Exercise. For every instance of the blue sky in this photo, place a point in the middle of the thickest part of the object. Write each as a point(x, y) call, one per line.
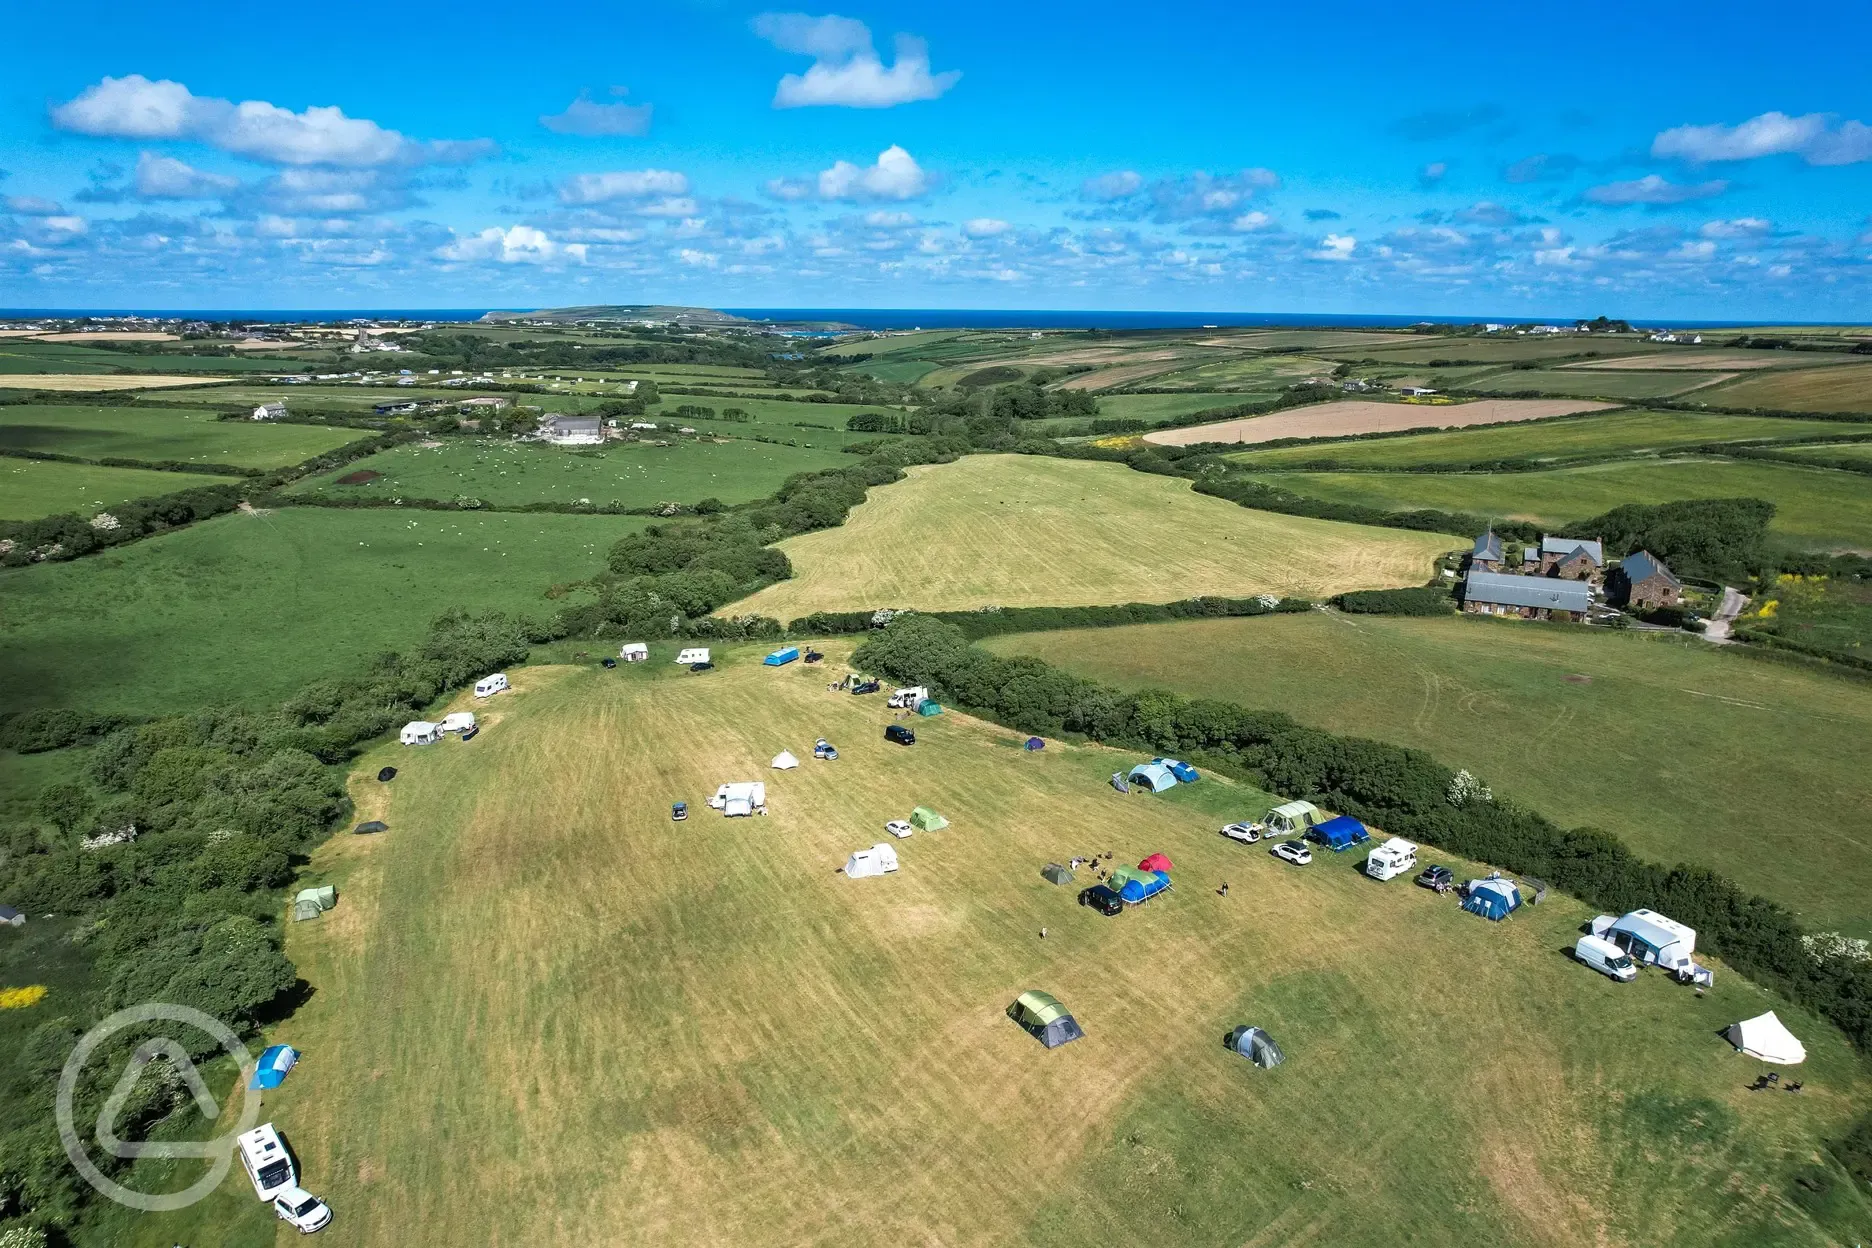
point(1709, 161)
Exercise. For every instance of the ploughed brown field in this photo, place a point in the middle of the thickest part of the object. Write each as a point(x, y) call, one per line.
point(1329, 420)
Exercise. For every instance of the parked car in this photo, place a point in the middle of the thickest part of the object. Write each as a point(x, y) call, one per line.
point(701, 667)
point(902, 734)
point(824, 750)
point(607, 664)
point(813, 656)
point(866, 686)
point(1246, 833)
point(1295, 852)
point(301, 1210)
point(1102, 899)
point(898, 828)
point(1439, 878)
point(679, 811)
point(1184, 773)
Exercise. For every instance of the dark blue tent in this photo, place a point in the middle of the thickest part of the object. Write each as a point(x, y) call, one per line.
point(271, 1070)
point(1035, 743)
point(1135, 886)
point(1340, 833)
point(1493, 899)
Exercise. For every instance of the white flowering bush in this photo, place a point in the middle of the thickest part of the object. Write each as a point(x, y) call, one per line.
point(1465, 788)
point(1268, 601)
point(105, 521)
point(1831, 946)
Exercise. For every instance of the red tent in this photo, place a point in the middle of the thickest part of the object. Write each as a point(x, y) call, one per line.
point(1156, 862)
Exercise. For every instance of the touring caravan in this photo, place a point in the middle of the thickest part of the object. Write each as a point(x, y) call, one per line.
point(693, 655)
point(488, 686)
point(420, 732)
point(634, 652)
point(1650, 937)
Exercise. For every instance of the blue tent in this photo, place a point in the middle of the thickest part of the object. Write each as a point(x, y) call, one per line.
point(1136, 886)
point(1493, 899)
point(1340, 833)
point(1035, 743)
point(929, 707)
point(781, 658)
point(273, 1065)
point(1154, 776)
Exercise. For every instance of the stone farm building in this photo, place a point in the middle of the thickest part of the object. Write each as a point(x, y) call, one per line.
point(1574, 558)
point(1487, 555)
point(1529, 597)
point(572, 430)
point(1642, 580)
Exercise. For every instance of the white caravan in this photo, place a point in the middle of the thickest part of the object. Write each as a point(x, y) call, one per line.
point(694, 654)
point(420, 732)
point(1393, 858)
point(634, 652)
point(1651, 937)
point(488, 686)
point(909, 699)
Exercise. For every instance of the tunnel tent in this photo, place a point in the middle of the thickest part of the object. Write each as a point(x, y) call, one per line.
point(1045, 1018)
point(274, 1065)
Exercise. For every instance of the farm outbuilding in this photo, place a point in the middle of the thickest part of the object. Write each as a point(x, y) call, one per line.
point(1257, 1046)
point(1494, 899)
point(1340, 833)
point(880, 859)
point(1045, 1019)
point(1154, 777)
point(1767, 1039)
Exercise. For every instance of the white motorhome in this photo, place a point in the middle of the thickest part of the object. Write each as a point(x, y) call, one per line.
point(459, 721)
point(909, 699)
point(420, 732)
point(264, 1157)
point(634, 652)
point(748, 798)
point(1393, 858)
point(1606, 958)
point(694, 654)
point(1650, 937)
point(488, 686)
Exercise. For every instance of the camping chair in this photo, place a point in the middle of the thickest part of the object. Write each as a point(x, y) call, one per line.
point(1795, 1086)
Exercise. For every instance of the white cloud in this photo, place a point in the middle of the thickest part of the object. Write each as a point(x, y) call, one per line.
point(67, 225)
point(133, 107)
point(1433, 172)
point(1119, 185)
point(1699, 249)
point(165, 177)
point(590, 119)
point(881, 220)
point(1780, 270)
point(697, 259)
point(1651, 189)
point(894, 176)
point(846, 69)
point(331, 191)
point(1249, 222)
point(1811, 136)
point(32, 206)
point(1741, 227)
point(603, 188)
point(1336, 247)
point(985, 227)
point(520, 244)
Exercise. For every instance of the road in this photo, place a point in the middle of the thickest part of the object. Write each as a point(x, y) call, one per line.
point(1732, 603)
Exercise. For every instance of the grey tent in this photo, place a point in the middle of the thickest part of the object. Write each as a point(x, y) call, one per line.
point(305, 908)
point(1045, 1018)
point(312, 902)
point(1118, 782)
point(1056, 873)
point(375, 825)
point(1257, 1046)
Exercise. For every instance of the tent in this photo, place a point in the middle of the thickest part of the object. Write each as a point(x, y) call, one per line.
point(1340, 833)
point(1135, 886)
point(312, 902)
point(1290, 818)
point(1035, 743)
point(880, 859)
point(1153, 776)
point(375, 825)
point(386, 774)
point(1156, 862)
point(784, 761)
point(1045, 1018)
point(634, 652)
point(1057, 874)
point(1493, 898)
point(1764, 1037)
point(927, 707)
point(1118, 782)
point(923, 819)
point(782, 656)
point(1257, 1046)
point(747, 798)
point(273, 1066)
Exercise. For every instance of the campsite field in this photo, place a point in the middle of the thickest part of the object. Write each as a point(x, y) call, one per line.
point(32, 488)
point(1680, 749)
point(1356, 416)
point(502, 473)
point(1023, 530)
point(1604, 435)
point(1606, 383)
point(1816, 508)
point(182, 434)
point(248, 608)
point(1164, 406)
point(542, 1012)
point(1847, 388)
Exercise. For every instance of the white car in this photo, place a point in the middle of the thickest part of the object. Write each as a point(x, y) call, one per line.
point(898, 828)
point(1246, 833)
point(1295, 852)
point(301, 1210)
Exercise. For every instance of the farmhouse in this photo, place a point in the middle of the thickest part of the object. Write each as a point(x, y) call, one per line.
point(571, 430)
point(1574, 558)
point(270, 411)
point(1642, 580)
point(1529, 597)
point(1487, 555)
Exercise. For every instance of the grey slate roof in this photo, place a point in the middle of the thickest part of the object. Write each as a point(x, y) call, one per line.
point(1488, 546)
point(1643, 566)
point(1509, 590)
point(571, 424)
point(1565, 546)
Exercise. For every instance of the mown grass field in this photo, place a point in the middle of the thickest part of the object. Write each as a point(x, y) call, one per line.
point(1263, 374)
point(1815, 507)
point(1494, 350)
point(542, 1012)
point(24, 356)
point(1847, 388)
point(1165, 406)
point(1834, 450)
point(164, 434)
point(1602, 384)
point(1022, 530)
point(247, 608)
point(508, 474)
point(1612, 433)
point(1686, 753)
point(314, 398)
point(32, 488)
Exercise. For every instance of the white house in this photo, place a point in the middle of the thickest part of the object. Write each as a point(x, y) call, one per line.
point(270, 411)
point(420, 732)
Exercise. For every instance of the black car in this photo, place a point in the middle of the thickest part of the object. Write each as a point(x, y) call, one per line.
point(1102, 899)
point(813, 656)
point(865, 686)
point(607, 664)
point(902, 734)
point(701, 667)
point(1438, 878)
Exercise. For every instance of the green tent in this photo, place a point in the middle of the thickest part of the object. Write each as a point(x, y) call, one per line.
point(923, 819)
point(305, 908)
point(1045, 1018)
point(312, 902)
point(1056, 873)
point(1116, 881)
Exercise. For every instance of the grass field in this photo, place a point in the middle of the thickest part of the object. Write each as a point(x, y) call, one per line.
point(25, 356)
point(32, 488)
point(1354, 416)
point(1495, 350)
point(1021, 530)
point(83, 383)
point(1611, 433)
point(1843, 389)
point(1834, 450)
point(164, 434)
point(327, 398)
point(1264, 374)
point(543, 1013)
point(248, 608)
point(1600, 384)
point(1165, 406)
point(506, 474)
point(1676, 748)
point(1815, 507)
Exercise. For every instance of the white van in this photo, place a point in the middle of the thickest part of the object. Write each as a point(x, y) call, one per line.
point(457, 721)
point(1606, 958)
point(911, 698)
point(488, 686)
point(266, 1161)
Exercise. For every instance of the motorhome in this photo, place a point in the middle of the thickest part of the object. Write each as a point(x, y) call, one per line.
point(1393, 858)
point(269, 1166)
point(908, 699)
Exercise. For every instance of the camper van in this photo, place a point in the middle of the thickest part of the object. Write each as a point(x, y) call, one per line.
point(488, 686)
point(1391, 859)
point(420, 732)
point(266, 1161)
point(1606, 958)
point(459, 721)
point(908, 699)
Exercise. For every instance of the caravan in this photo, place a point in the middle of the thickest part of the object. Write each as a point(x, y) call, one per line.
point(693, 655)
point(1650, 937)
point(1391, 859)
point(634, 652)
point(488, 686)
point(420, 732)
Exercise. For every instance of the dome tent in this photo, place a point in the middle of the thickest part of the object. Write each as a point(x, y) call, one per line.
point(1257, 1046)
point(1494, 898)
point(923, 819)
point(1045, 1018)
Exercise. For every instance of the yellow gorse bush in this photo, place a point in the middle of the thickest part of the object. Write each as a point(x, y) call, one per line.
point(20, 998)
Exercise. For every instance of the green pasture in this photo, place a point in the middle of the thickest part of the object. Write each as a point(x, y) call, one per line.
point(1846, 388)
point(1165, 406)
point(32, 488)
point(151, 433)
point(1263, 375)
point(18, 355)
point(1609, 383)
